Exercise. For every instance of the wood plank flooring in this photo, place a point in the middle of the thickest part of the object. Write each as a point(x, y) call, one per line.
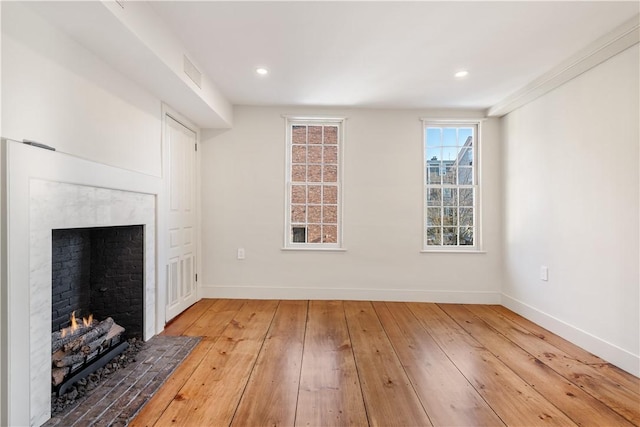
point(348, 363)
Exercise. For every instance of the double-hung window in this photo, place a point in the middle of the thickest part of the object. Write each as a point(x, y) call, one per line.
point(451, 185)
point(314, 175)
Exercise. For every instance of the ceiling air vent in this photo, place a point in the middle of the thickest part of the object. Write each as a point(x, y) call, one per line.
point(191, 71)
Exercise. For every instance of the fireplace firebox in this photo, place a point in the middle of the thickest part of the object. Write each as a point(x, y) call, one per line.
point(96, 272)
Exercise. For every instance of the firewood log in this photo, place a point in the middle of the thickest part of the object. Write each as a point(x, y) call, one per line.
point(94, 345)
point(70, 360)
point(76, 351)
point(59, 354)
point(57, 340)
point(74, 345)
point(100, 329)
point(58, 374)
point(115, 331)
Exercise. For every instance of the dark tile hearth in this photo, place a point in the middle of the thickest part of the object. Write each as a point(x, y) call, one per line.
point(116, 400)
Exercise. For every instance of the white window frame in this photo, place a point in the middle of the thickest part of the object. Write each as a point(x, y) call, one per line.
point(291, 121)
point(477, 165)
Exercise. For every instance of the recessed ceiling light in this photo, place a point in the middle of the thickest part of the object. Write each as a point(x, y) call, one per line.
point(462, 73)
point(262, 71)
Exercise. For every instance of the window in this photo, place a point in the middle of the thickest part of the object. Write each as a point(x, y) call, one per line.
point(313, 213)
point(451, 185)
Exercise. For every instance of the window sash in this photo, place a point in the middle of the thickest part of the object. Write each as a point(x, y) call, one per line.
point(450, 164)
point(446, 217)
point(313, 200)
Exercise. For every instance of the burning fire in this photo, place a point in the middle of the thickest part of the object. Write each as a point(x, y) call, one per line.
point(86, 321)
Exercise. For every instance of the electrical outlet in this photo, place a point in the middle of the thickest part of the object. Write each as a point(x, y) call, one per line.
point(544, 273)
point(240, 253)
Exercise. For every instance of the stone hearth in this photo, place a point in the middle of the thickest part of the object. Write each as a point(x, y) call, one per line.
point(116, 401)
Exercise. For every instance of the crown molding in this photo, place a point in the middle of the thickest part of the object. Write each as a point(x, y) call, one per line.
point(618, 40)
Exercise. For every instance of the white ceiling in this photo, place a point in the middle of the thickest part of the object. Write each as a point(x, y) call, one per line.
point(384, 54)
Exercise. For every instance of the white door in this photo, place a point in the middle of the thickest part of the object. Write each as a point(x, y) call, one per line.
point(181, 218)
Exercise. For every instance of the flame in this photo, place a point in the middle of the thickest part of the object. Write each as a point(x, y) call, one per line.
point(74, 322)
point(86, 321)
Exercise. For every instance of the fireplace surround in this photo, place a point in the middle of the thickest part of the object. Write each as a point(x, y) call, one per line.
point(43, 191)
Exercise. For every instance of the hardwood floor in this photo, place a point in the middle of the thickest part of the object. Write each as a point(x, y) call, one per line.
point(335, 363)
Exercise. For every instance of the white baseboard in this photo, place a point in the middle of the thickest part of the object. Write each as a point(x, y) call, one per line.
point(253, 292)
point(617, 356)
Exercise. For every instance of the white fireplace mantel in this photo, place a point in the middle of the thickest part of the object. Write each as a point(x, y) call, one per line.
point(43, 190)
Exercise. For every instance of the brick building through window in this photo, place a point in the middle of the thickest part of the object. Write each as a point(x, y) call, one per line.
point(313, 183)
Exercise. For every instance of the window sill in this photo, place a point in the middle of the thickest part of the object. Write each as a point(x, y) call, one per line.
point(304, 249)
point(452, 251)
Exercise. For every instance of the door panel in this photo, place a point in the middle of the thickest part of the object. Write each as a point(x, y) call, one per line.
point(181, 180)
point(172, 288)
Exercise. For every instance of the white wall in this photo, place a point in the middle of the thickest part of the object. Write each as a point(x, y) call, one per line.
point(57, 92)
point(243, 191)
point(571, 196)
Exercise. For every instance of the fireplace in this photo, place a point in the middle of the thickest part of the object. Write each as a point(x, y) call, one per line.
point(46, 191)
point(63, 206)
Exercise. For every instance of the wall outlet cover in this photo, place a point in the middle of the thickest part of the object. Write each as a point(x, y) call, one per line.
point(544, 273)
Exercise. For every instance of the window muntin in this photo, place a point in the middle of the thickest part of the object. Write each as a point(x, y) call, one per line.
point(313, 212)
point(450, 186)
